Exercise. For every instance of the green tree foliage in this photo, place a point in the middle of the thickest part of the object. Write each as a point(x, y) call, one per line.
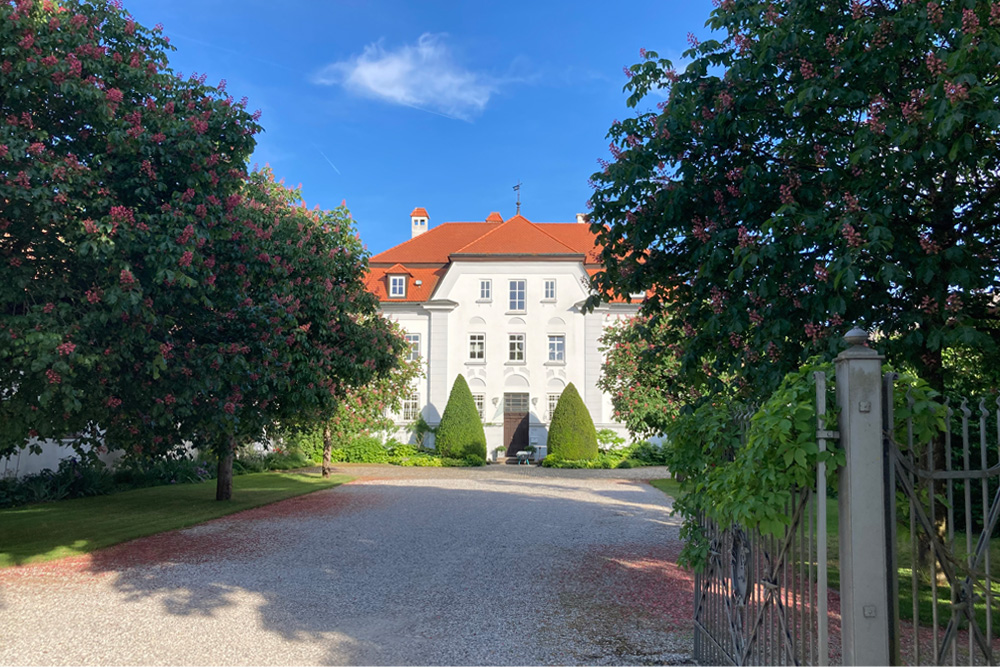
point(821, 164)
point(572, 435)
point(461, 433)
point(111, 170)
point(154, 289)
point(639, 374)
point(738, 464)
point(365, 410)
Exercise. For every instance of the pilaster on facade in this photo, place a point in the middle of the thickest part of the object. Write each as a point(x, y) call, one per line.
point(438, 372)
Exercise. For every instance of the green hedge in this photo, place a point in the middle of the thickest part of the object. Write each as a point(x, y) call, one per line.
point(460, 434)
point(572, 436)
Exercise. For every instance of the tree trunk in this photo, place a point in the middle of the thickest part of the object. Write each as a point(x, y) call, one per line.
point(327, 449)
point(224, 483)
point(933, 372)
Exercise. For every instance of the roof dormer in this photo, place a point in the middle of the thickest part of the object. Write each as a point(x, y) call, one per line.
point(418, 222)
point(397, 280)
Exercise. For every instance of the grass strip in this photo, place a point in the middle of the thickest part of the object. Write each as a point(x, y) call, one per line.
point(47, 531)
point(670, 487)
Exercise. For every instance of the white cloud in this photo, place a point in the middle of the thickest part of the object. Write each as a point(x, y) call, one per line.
point(422, 75)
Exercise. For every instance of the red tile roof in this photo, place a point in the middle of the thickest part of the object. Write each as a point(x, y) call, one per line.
point(435, 245)
point(576, 236)
point(517, 236)
point(419, 212)
point(426, 257)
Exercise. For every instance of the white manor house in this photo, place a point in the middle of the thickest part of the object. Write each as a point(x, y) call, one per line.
point(500, 302)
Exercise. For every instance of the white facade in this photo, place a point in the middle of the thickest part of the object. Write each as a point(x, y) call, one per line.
point(524, 338)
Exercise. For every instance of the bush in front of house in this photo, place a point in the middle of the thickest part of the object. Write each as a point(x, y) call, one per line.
point(460, 434)
point(361, 449)
point(572, 435)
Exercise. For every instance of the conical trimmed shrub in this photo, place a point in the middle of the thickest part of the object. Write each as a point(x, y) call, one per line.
point(572, 435)
point(460, 433)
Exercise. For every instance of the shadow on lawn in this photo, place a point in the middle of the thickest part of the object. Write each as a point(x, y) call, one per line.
point(411, 572)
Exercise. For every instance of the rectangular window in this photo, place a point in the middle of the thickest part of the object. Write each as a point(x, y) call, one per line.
point(550, 290)
point(485, 290)
point(553, 401)
point(397, 286)
point(557, 348)
point(477, 347)
point(480, 401)
point(414, 341)
point(411, 408)
point(515, 403)
point(516, 347)
point(517, 290)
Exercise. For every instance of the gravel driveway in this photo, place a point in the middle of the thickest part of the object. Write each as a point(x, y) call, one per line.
point(499, 565)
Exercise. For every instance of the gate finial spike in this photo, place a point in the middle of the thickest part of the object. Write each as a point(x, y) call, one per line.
point(856, 336)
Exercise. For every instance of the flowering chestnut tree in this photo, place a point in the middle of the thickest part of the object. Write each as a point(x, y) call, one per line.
point(818, 165)
point(112, 171)
point(153, 291)
point(288, 332)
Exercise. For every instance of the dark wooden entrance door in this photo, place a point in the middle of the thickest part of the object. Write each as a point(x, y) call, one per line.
point(515, 422)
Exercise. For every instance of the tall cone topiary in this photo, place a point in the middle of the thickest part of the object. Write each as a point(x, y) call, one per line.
point(572, 435)
point(460, 433)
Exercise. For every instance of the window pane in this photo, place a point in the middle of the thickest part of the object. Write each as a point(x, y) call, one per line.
point(477, 346)
point(515, 402)
point(397, 286)
point(516, 347)
point(414, 341)
point(553, 401)
point(411, 408)
point(480, 401)
point(517, 295)
point(485, 290)
point(557, 348)
point(550, 289)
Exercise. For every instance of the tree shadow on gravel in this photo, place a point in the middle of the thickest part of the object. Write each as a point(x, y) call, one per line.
point(374, 573)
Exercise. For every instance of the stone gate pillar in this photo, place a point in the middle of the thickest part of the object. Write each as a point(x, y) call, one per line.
point(863, 586)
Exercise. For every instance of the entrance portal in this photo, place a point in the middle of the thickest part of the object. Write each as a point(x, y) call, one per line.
point(515, 423)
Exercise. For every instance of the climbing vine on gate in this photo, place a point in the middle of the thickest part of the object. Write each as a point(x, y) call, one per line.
point(741, 466)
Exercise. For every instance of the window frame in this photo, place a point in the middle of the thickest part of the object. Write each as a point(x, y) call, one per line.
point(409, 410)
point(414, 341)
point(485, 290)
point(520, 298)
point(394, 280)
point(480, 401)
point(472, 347)
point(512, 340)
point(561, 353)
point(549, 282)
point(551, 403)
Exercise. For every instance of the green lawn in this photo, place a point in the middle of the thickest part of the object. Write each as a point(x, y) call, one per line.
point(37, 533)
point(904, 568)
point(668, 486)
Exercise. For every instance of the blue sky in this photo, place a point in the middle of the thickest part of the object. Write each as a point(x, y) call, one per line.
point(446, 105)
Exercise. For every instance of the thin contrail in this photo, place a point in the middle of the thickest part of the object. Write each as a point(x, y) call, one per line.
point(329, 162)
point(436, 113)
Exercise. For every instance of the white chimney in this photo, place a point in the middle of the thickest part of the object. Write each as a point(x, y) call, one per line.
point(582, 219)
point(418, 222)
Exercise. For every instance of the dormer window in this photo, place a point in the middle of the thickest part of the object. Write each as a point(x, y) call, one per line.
point(397, 287)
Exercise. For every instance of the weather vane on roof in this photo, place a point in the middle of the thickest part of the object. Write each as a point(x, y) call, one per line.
point(517, 189)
